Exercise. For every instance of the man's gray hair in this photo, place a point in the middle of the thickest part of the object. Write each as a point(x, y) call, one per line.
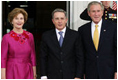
point(59, 10)
point(94, 3)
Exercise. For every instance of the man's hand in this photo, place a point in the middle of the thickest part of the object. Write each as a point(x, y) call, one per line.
point(77, 78)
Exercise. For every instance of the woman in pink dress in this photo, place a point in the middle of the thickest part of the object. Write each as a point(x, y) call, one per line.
point(18, 60)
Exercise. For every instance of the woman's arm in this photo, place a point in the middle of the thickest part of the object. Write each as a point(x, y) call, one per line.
point(4, 54)
point(34, 72)
point(3, 73)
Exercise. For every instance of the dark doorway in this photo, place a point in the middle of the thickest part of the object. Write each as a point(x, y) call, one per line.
point(44, 21)
point(39, 19)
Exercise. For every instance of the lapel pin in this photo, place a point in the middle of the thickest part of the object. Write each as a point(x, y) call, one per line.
point(104, 30)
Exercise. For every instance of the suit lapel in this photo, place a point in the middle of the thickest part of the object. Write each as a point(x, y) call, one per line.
point(54, 38)
point(66, 38)
point(102, 34)
point(90, 37)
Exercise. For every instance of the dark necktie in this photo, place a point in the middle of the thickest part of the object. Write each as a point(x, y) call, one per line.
point(61, 38)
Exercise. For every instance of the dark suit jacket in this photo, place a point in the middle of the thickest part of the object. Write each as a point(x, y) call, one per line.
point(102, 63)
point(61, 62)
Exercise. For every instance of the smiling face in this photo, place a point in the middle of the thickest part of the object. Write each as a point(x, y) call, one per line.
point(18, 21)
point(59, 20)
point(95, 13)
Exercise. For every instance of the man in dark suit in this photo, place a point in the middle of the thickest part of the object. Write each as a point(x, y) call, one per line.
point(61, 55)
point(109, 14)
point(100, 44)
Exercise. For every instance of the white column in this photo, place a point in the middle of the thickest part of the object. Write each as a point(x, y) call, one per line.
point(77, 8)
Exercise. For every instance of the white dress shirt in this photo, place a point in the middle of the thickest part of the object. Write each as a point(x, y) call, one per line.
point(57, 32)
point(93, 28)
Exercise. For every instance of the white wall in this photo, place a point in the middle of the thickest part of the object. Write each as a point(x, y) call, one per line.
point(77, 8)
